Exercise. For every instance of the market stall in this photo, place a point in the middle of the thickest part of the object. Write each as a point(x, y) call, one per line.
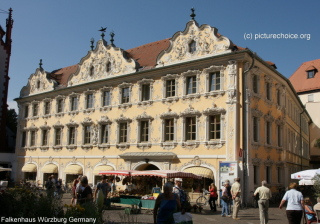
point(139, 184)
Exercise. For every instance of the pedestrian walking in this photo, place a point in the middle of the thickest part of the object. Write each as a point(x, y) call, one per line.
point(235, 192)
point(295, 204)
point(264, 195)
point(102, 186)
point(84, 192)
point(177, 189)
point(166, 204)
point(213, 197)
point(225, 199)
point(308, 209)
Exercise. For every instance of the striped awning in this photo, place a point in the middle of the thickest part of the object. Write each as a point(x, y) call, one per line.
point(73, 169)
point(201, 171)
point(49, 168)
point(29, 167)
point(97, 169)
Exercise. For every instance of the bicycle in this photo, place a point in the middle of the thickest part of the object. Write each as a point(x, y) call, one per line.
point(202, 200)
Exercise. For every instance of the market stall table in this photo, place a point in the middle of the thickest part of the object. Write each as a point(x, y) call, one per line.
point(148, 204)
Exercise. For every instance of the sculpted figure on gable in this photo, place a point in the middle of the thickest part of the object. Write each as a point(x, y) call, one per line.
point(38, 83)
point(101, 63)
point(194, 42)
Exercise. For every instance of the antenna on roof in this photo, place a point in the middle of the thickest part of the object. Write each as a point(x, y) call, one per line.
point(40, 64)
point(192, 15)
point(103, 30)
point(112, 35)
point(92, 41)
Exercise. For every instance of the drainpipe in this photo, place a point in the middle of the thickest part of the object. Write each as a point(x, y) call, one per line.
point(245, 132)
point(301, 166)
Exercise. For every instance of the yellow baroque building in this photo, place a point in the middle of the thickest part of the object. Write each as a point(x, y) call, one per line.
point(189, 103)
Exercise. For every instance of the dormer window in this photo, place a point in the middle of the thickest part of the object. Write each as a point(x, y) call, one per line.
point(192, 47)
point(91, 70)
point(311, 74)
point(108, 66)
point(38, 84)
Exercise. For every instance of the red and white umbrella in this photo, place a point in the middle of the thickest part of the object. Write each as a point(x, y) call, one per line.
point(305, 174)
point(116, 172)
point(165, 174)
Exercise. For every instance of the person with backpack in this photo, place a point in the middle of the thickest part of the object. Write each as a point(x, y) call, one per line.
point(177, 189)
point(102, 186)
point(213, 197)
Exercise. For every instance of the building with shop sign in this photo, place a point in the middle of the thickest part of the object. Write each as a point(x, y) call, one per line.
point(185, 103)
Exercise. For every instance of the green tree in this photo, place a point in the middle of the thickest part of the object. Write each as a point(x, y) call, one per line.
point(12, 118)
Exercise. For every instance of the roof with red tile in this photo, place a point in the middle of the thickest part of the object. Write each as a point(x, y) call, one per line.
point(146, 55)
point(299, 78)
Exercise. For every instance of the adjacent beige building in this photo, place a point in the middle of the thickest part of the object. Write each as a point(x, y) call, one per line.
point(184, 103)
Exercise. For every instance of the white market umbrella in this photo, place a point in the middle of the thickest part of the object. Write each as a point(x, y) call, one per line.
point(305, 174)
point(306, 182)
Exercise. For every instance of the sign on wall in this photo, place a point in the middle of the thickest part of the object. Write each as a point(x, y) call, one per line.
point(228, 171)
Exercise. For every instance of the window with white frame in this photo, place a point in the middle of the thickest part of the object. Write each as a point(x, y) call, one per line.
point(145, 92)
point(108, 66)
point(59, 105)
point(170, 88)
point(45, 137)
point(33, 138)
point(214, 127)
point(310, 74)
point(46, 107)
point(35, 109)
point(278, 92)
point(89, 101)
point(144, 131)
point(190, 128)
point(106, 98)
point(104, 136)
point(169, 130)
point(191, 85)
point(58, 135)
point(310, 98)
point(87, 134)
point(125, 96)
point(72, 135)
point(74, 103)
point(123, 132)
point(215, 81)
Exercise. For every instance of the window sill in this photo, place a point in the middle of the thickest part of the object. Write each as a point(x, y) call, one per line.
point(87, 147)
point(214, 93)
point(103, 146)
point(59, 114)
point(89, 110)
point(71, 147)
point(73, 112)
point(170, 99)
point(143, 103)
point(122, 146)
point(124, 105)
point(191, 96)
point(57, 148)
point(168, 145)
point(44, 148)
point(190, 145)
point(216, 144)
point(46, 116)
point(144, 146)
point(106, 108)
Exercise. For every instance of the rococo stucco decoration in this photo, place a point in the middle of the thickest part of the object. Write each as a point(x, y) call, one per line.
point(207, 43)
point(38, 83)
point(105, 61)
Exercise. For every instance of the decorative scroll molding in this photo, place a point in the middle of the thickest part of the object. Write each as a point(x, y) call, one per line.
point(256, 161)
point(196, 162)
point(72, 123)
point(280, 121)
point(190, 145)
point(144, 116)
point(168, 145)
point(104, 120)
point(105, 61)
point(190, 111)
point(169, 114)
point(207, 41)
point(87, 121)
point(58, 125)
point(214, 144)
point(214, 110)
point(38, 83)
point(268, 162)
point(123, 119)
point(256, 112)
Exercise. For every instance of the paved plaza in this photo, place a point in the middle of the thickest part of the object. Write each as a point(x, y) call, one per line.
point(247, 216)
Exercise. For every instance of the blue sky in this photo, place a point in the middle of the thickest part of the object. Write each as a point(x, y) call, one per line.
point(59, 31)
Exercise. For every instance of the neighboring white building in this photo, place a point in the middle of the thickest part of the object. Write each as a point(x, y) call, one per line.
point(306, 81)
